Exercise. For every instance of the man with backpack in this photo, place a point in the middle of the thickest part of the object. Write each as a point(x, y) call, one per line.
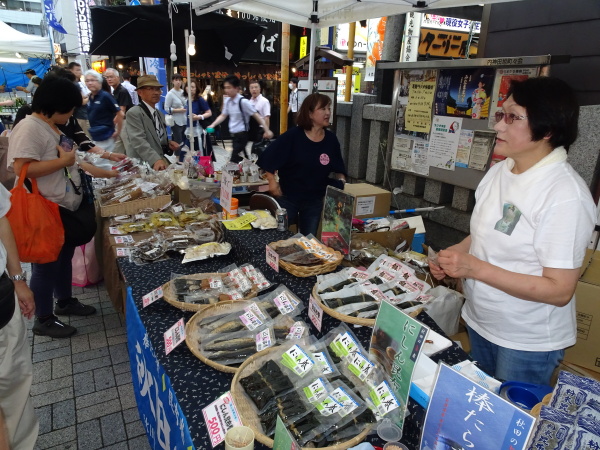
point(239, 110)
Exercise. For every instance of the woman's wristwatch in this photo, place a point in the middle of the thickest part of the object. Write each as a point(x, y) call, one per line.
point(20, 277)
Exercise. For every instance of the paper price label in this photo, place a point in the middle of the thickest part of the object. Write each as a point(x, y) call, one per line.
point(384, 399)
point(297, 360)
point(250, 320)
point(347, 402)
point(253, 308)
point(360, 366)
point(121, 251)
point(296, 331)
point(124, 239)
point(315, 313)
point(215, 283)
point(283, 303)
point(174, 336)
point(114, 230)
point(315, 391)
point(263, 340)
point(242, 221)
point(273, 259)
point(151, 297)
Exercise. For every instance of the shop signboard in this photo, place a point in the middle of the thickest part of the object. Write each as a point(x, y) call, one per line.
point(161, 415)
point(396, 343)
point(463, 414)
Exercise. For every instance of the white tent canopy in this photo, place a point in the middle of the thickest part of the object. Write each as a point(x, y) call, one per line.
point(330, 12)
point(12, 41)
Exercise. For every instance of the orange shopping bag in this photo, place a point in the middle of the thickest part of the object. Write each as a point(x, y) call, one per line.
point(35, 222)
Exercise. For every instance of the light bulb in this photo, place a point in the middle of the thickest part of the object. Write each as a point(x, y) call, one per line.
point(192, 44)
point(173, 57)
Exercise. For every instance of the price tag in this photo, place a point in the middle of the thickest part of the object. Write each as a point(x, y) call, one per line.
point(384, 399)
point(315, 313)
point(250, 321)
point(323, 363)
point(253, 308)
point(315, 391)
point(174, 336)
point(273, 259)
point(122, 251)
point(328, 406)
point(283, 303)
point(114, 230)
point(347, 402)
point(296, 331)
point(124, 240)
point(226, 187)
point(240, 223)
point(220, 416)
point(151, 297)
point(263, 340)
point(360, 366)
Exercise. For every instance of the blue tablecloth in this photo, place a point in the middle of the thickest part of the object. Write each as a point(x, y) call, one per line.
point(184, 381)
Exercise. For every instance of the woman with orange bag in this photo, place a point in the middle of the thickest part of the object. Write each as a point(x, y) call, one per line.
point(36, 140)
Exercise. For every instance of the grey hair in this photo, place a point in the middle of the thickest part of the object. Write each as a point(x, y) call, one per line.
point(94, 74)
point(114, 71)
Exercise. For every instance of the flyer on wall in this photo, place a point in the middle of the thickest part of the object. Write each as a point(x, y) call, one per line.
point(464, 92)
point(443, 143)
point(407, 77)
point(418, 110)
point(483, 142)
point(401, 154)
point(464, 148)
point(502, 85)
point(419, 158)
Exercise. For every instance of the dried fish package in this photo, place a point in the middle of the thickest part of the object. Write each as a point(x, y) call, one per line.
point(250, 317)
point(198, 288)
point(334, 282)
point(363, 292)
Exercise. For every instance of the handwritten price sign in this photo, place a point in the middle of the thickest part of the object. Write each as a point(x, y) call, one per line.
point(273, 259)
point(174, 336)
point(315, 313)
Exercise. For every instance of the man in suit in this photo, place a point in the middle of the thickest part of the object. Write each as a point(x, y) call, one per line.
point(146, 130)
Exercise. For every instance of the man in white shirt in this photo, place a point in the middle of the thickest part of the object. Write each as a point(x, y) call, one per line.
point(239, 110)
point(130, 88)
point(294, 104)
point(263, 107)
point(30, 89)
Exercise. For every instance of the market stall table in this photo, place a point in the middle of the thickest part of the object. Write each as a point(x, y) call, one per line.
point(172, 389)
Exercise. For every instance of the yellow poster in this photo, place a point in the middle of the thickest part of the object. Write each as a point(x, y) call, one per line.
point(418, 110)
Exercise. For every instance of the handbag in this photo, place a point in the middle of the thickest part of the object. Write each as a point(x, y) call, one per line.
point(35, 222)
point(86, 270)
point(80, 225)
point(169, 121)
point(7, 299)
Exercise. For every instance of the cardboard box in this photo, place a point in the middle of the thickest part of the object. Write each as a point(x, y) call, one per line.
point(586, 352)
point(389, 239)
point(371, 201)
point(133, 206)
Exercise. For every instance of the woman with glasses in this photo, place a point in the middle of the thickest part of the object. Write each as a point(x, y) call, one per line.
point(529, 230)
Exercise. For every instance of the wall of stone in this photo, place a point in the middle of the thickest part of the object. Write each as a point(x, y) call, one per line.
point(362, 129)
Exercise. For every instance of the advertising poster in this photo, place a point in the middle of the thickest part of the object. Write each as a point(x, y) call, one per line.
point(407, 77)
point(464, 92)
point(443, 143)
point(396, 343)
point(463, 414)
point(418, 110)
point(483, 142)
point(464, 148)
point(337, 220)
point(502, 84)
point(420, 158)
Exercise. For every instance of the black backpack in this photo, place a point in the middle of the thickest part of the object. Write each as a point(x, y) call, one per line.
point(255, 131)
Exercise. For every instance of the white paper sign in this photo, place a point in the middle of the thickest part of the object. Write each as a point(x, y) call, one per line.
point(220, 416)
point(151, 297)
point(122, 251)
point(114, 230)
point(443, 141)
point(226, 187)
point(174, 336)
point(315, 313)
point(365, 205)
point(124, 239)
point(273, 259)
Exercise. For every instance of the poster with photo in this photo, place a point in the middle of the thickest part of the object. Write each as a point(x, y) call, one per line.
point(443, 142)
point(502, 85)
point(464, 148)
point(336, 224)
point(406, 78)
point(464, 92)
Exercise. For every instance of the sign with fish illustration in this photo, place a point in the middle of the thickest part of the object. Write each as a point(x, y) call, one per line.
point(337, 220)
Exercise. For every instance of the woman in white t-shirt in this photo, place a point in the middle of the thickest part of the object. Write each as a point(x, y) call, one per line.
point(175, 104)
point(530, 227)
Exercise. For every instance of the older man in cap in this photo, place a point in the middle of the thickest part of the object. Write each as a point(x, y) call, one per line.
point(145, 125)
point(31, 87)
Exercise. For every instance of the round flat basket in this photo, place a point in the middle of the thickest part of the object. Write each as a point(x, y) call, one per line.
point(350, 319)
point(247, 410)
point(307, 271)
point(192, 334)
point(172, 300)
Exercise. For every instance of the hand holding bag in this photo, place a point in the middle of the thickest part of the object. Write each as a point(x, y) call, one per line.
point(35, 222)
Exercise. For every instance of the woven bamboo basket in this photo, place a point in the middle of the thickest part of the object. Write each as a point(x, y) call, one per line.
point(192, 334)
point(172, 300)
point(247, 410)
point(307, 271)
point(350, 319)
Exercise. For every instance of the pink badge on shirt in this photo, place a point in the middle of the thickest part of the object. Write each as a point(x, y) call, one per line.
point(324, 158)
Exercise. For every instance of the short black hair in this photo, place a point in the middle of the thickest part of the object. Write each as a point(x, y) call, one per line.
point(36, 80)
point(232, 80)
point(61, 72)
point(176, 76)
point(56, 95)
point(73, 64)
point(126, 76)
point(552, 109)
point(294, 80)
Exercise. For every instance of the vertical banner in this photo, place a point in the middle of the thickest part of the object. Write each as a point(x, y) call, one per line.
point(156, 67)
point(160, 413)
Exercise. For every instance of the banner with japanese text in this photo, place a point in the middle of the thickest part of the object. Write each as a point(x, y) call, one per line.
point(161, 415)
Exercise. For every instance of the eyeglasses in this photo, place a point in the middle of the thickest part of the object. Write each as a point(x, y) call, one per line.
point(508, 117)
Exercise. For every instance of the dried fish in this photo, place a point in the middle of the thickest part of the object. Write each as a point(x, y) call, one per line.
point(337, 287)
point(337, 302)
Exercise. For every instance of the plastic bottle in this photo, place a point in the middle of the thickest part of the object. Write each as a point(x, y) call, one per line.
point(234, 209)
